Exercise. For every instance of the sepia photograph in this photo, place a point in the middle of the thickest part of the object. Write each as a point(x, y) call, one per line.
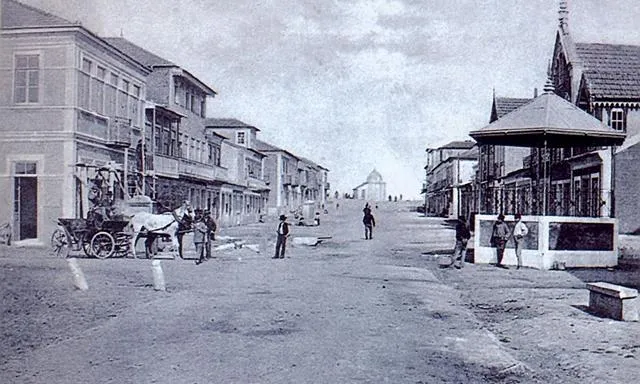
point(323, 192)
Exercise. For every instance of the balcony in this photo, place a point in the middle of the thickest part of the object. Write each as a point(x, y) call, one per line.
point(201, 171)
point(119, 132)
point(256, 183)
point(165, 166)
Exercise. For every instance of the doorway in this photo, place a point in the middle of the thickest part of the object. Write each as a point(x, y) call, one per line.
point(25, 205)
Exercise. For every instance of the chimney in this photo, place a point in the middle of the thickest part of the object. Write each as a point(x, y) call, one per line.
point(535, 92)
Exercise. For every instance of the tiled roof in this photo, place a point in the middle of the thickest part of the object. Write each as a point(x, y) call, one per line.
point(266, 147)
point(467, 144)
point(611, 70)
point(15, 14)
point(262, 146)
point(227, 123)
point(505, 105)
point(138, 53)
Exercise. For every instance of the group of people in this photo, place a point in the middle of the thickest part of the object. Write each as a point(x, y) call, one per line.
point(500, 235)
point(204, 227)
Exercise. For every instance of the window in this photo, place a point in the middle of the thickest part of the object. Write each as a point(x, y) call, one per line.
point(123, 100)
point(203, 107)
point(84, 84)
point(187, 100)
point(101, 73)
point(176, 94)
point(193, 103)
point(136, 91)
point(24, 168)
point(617, 119)
point(97, 94)
point(27, 79)
point(240, 138)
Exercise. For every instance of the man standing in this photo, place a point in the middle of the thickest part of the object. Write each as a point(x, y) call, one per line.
point(199, 238)
point(184, 216)
point(281, 242)
point(519, 232)
point(499, 237)
point(211, 231)
point(462, 238)
point(369, 222)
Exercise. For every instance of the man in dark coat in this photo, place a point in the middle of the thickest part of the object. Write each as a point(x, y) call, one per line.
point(369, 222)
point(281, 242)
point(211, 231)
point(462, 238)
point(500, 236)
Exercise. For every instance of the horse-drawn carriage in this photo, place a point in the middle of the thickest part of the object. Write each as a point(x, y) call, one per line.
point(97, 238)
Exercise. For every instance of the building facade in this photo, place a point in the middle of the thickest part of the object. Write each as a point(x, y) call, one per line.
point(245, 192)
point(292, 179)
point(71, 103)
point(449, 170)
point(602, 80)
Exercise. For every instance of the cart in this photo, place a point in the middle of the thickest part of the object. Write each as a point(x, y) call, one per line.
point(100, 239)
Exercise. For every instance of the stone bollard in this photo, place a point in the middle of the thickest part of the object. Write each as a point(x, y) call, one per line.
point(158, 276)
point(78, 277)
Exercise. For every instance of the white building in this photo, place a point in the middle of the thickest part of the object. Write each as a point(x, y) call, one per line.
point(374, 189)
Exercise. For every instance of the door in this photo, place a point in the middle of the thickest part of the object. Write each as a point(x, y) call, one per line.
point(26, 207)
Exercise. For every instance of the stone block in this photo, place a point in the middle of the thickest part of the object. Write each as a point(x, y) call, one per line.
point(614, 301)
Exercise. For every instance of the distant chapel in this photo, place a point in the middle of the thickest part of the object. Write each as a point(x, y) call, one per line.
point(374, 189)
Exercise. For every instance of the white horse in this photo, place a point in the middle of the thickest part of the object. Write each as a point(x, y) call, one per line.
point(167, 224)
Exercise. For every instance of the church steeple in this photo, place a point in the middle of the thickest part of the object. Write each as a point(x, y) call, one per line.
point(563, 16)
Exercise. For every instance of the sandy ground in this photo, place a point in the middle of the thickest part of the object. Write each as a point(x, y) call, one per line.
point(345, 311)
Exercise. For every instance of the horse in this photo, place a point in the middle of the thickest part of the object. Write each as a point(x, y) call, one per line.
point(167, 224)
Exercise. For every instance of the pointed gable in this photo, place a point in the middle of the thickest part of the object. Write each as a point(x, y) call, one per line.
point(504, 105)
point(16, 14)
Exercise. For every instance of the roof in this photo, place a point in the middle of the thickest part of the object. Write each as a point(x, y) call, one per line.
point(266, 147)
point(227, 123)
point(611, 70)
point(154, 61)
point(467, 144)
point(15, 14)
point(374, 177)
point(140, 54)
point(470, 154)
point(548, 120)
point(505, 105)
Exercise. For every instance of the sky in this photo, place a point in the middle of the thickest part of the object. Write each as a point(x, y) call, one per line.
point(357, 84)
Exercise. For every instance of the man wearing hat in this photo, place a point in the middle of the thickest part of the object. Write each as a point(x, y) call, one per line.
point(211, 231)
point(283, 233)
point(500, 236)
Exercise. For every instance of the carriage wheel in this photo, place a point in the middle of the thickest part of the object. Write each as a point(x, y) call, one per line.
point(60, 243)
point(103, 245)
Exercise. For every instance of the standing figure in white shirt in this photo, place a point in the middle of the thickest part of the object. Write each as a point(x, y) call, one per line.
point(520, 230)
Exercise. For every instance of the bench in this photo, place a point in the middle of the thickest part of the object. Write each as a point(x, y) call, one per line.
point(614, 301)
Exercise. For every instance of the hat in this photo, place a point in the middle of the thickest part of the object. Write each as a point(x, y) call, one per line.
point(283, 217)
point(501, 217)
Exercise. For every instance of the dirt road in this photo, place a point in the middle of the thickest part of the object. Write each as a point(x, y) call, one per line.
point(346, 311)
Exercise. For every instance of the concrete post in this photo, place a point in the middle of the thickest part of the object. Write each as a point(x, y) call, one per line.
point(78, 277)
point(158, 276)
